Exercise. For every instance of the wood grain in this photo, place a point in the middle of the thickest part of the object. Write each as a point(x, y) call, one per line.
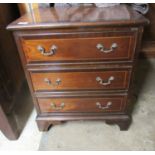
point(79, 17)
point(11, 74)
point(76, 31)
point(70, 48)
point(82, 104)
point(80, 80)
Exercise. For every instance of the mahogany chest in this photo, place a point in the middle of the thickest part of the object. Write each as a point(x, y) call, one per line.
point(79, 62)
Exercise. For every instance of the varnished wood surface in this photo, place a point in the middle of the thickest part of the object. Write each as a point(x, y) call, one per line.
point(123, 121)
point(76, 31)
point(149, 33)
point(148, 49)
point(79, 16)
point(148, 45)
point(82, 104)
point(11, 74)
point(7, 127)
point(79, 47)
point(80, 80)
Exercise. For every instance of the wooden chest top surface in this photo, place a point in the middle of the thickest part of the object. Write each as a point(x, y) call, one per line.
point(79, 16)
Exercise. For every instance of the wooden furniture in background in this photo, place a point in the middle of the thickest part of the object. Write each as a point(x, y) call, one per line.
point(148, 45)
point(80, 61)
point(27, 7)
point(11, 73)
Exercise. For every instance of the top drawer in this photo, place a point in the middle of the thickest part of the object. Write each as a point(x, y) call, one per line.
point(79, 47)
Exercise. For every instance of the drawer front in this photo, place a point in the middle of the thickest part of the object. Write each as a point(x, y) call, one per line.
point(101, 104)
point(79, 49)
point(80, 80)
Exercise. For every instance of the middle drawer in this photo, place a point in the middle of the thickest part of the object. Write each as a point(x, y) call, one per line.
point(88, 80)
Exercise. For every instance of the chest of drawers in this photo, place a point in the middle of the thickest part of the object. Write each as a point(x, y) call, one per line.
point(79, 62)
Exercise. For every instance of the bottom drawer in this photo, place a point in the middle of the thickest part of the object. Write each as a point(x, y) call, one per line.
point(100, 104)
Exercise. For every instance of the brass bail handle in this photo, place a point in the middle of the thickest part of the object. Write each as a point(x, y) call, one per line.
point(107, 106)
point(49, 82)
point(52, 50)
point(105, 50)
point(55, 107)
point(105, 82)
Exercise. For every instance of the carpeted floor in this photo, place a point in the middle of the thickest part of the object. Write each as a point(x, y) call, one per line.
point(96, 135)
